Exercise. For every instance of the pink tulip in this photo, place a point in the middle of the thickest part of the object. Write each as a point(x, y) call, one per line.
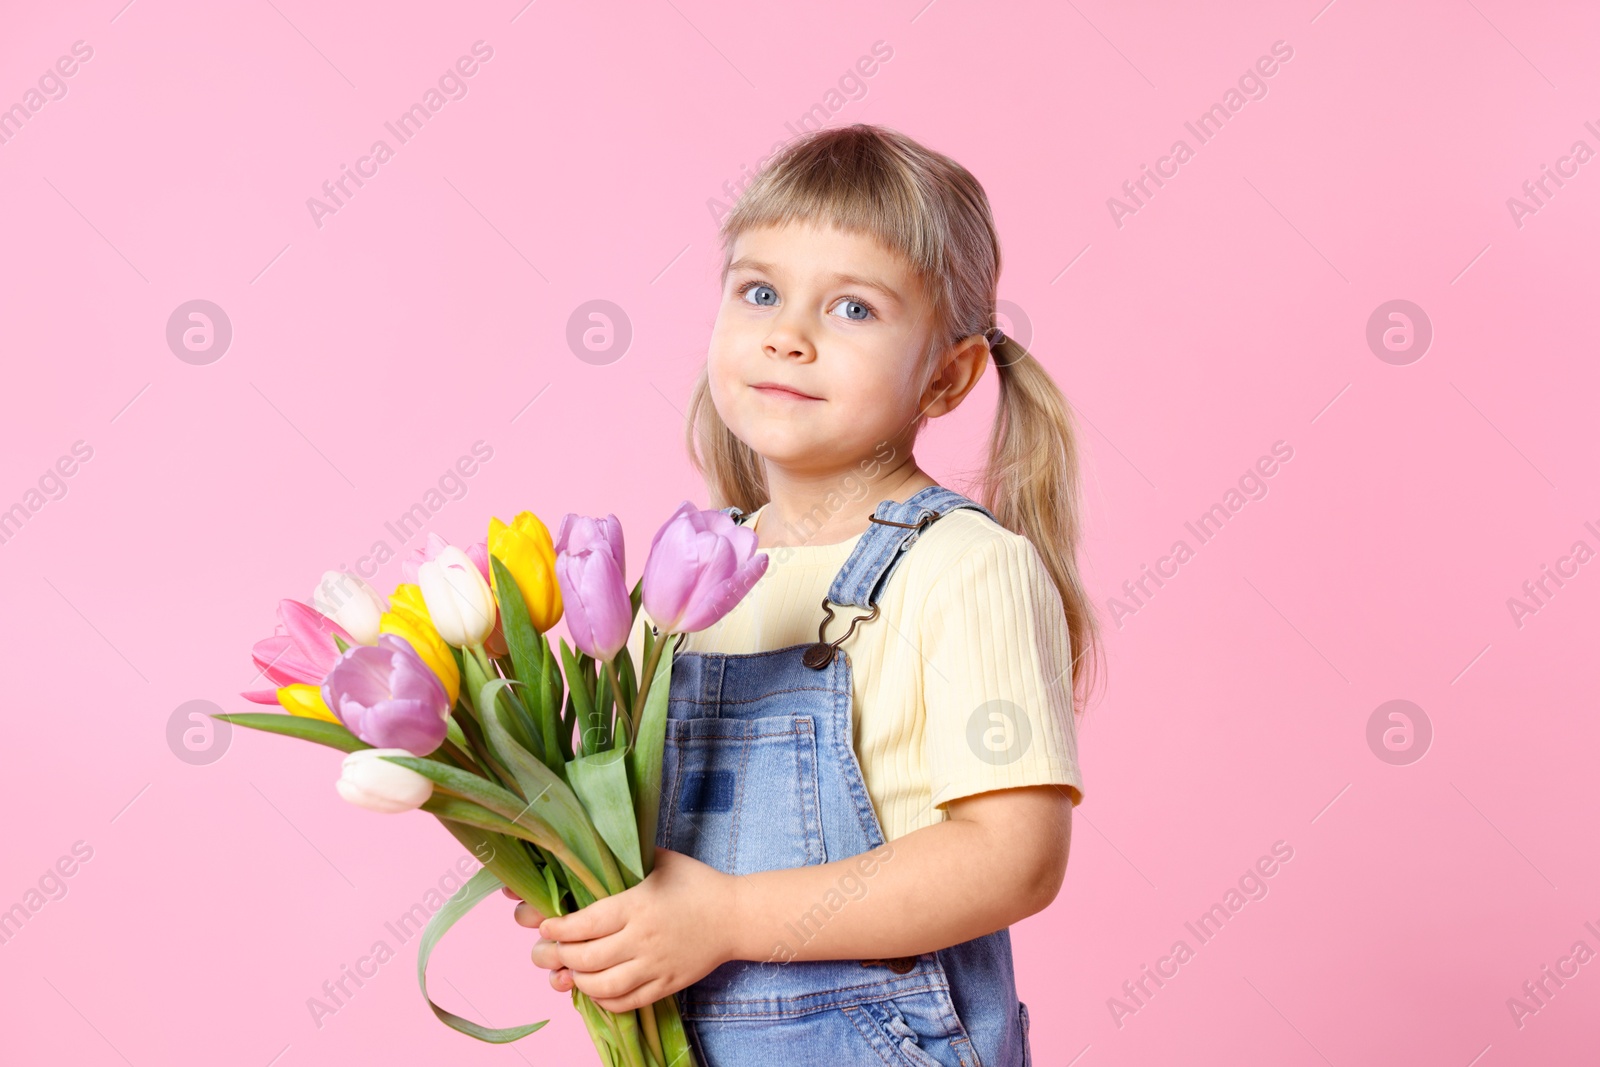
point(304, 655)
point(387, 696)
point(479, 554)
point(701, 565)
point(589, 569)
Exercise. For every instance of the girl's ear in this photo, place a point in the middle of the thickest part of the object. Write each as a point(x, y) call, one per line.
point(962, 364)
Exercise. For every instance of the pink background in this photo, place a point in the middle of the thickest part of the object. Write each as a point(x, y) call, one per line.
point(1227, 314)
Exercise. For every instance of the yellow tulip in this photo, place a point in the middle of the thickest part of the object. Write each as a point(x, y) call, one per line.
point(306, 702)
point(407, 600)
point(408, 617)
point(527, 551)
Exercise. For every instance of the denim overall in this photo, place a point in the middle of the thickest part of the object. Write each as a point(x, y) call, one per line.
point(760, 773)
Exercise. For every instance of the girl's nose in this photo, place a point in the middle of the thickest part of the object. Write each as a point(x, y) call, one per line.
point(791, 350)
point(789, 340)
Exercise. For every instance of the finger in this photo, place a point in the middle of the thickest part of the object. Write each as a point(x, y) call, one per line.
point(604, 916)
point(507, 890)
point(613, 983)
point(561, 980)
point(595, 955)
point(527, 915)
point(546, 954)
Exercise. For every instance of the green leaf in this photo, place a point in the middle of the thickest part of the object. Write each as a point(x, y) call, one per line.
point(502, 728)
point(510, 858)
point(472, 682)
point(555, 722)
point(578, 687)
point(495, 842)
point(523, 642)
point(341, 644)
point(478, 886)
point(321, 731)
point(554, 890)
point(588, 672)
point(553, 799)
point(497, 799)
point(519, 819)
point(453, 734)
point(521, 638)
point(520, 723)
point(506, 748)
point(603, 1033)
point(646, 754)
point(630, 683)
point(569, 721)
point(601, 781)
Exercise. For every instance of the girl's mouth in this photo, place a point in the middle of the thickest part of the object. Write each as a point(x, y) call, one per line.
point(773, 389)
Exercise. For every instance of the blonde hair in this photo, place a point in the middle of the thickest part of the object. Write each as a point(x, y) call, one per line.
point(928, 208)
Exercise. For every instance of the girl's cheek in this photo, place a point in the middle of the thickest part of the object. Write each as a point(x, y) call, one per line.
point(722, 369)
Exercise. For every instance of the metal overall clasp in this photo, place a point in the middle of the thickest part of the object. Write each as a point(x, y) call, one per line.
point(927, 517)
point(820, 655)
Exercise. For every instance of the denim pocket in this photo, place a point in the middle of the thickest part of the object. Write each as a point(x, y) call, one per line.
point(915, 1030)
point(741, 794)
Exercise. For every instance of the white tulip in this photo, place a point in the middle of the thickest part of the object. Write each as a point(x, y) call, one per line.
point(351, 603)
point(460, 602)
point(378, 785)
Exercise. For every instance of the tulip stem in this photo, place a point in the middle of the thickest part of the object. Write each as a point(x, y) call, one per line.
point(622, 714)
point(464, 761)
point(610, 1021)
point(645, 678)
point(652, 1035)
point(492, 768)
point(489, 671)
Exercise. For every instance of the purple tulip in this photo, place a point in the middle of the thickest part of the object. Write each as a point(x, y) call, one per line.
point(387, 696)
point(589, 569)
point(701, 565)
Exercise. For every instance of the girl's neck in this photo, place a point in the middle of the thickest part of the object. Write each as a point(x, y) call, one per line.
point(799, 513)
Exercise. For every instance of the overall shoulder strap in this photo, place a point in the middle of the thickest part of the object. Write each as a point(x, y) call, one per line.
point(893, 529)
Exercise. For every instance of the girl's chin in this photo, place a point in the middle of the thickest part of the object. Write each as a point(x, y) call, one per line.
point(788, 445)
point(774, 436)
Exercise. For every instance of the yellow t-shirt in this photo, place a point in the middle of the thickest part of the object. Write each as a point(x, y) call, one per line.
point(961, 685)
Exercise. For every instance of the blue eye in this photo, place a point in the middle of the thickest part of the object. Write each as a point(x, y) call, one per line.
point(748, 286)
point(857, 305)
point(857, 310)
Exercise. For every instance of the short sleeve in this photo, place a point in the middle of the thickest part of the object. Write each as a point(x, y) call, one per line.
point(996, 674)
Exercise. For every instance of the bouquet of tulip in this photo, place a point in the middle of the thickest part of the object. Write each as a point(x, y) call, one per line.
point(449, 698)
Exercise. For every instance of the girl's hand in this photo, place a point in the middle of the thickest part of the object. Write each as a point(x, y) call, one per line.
point(630, 950)
point(543, 951)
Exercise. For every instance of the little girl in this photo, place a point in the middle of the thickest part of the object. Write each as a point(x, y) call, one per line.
point(871, 762)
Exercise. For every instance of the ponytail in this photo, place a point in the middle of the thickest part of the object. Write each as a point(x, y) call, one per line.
point(1030, 483)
